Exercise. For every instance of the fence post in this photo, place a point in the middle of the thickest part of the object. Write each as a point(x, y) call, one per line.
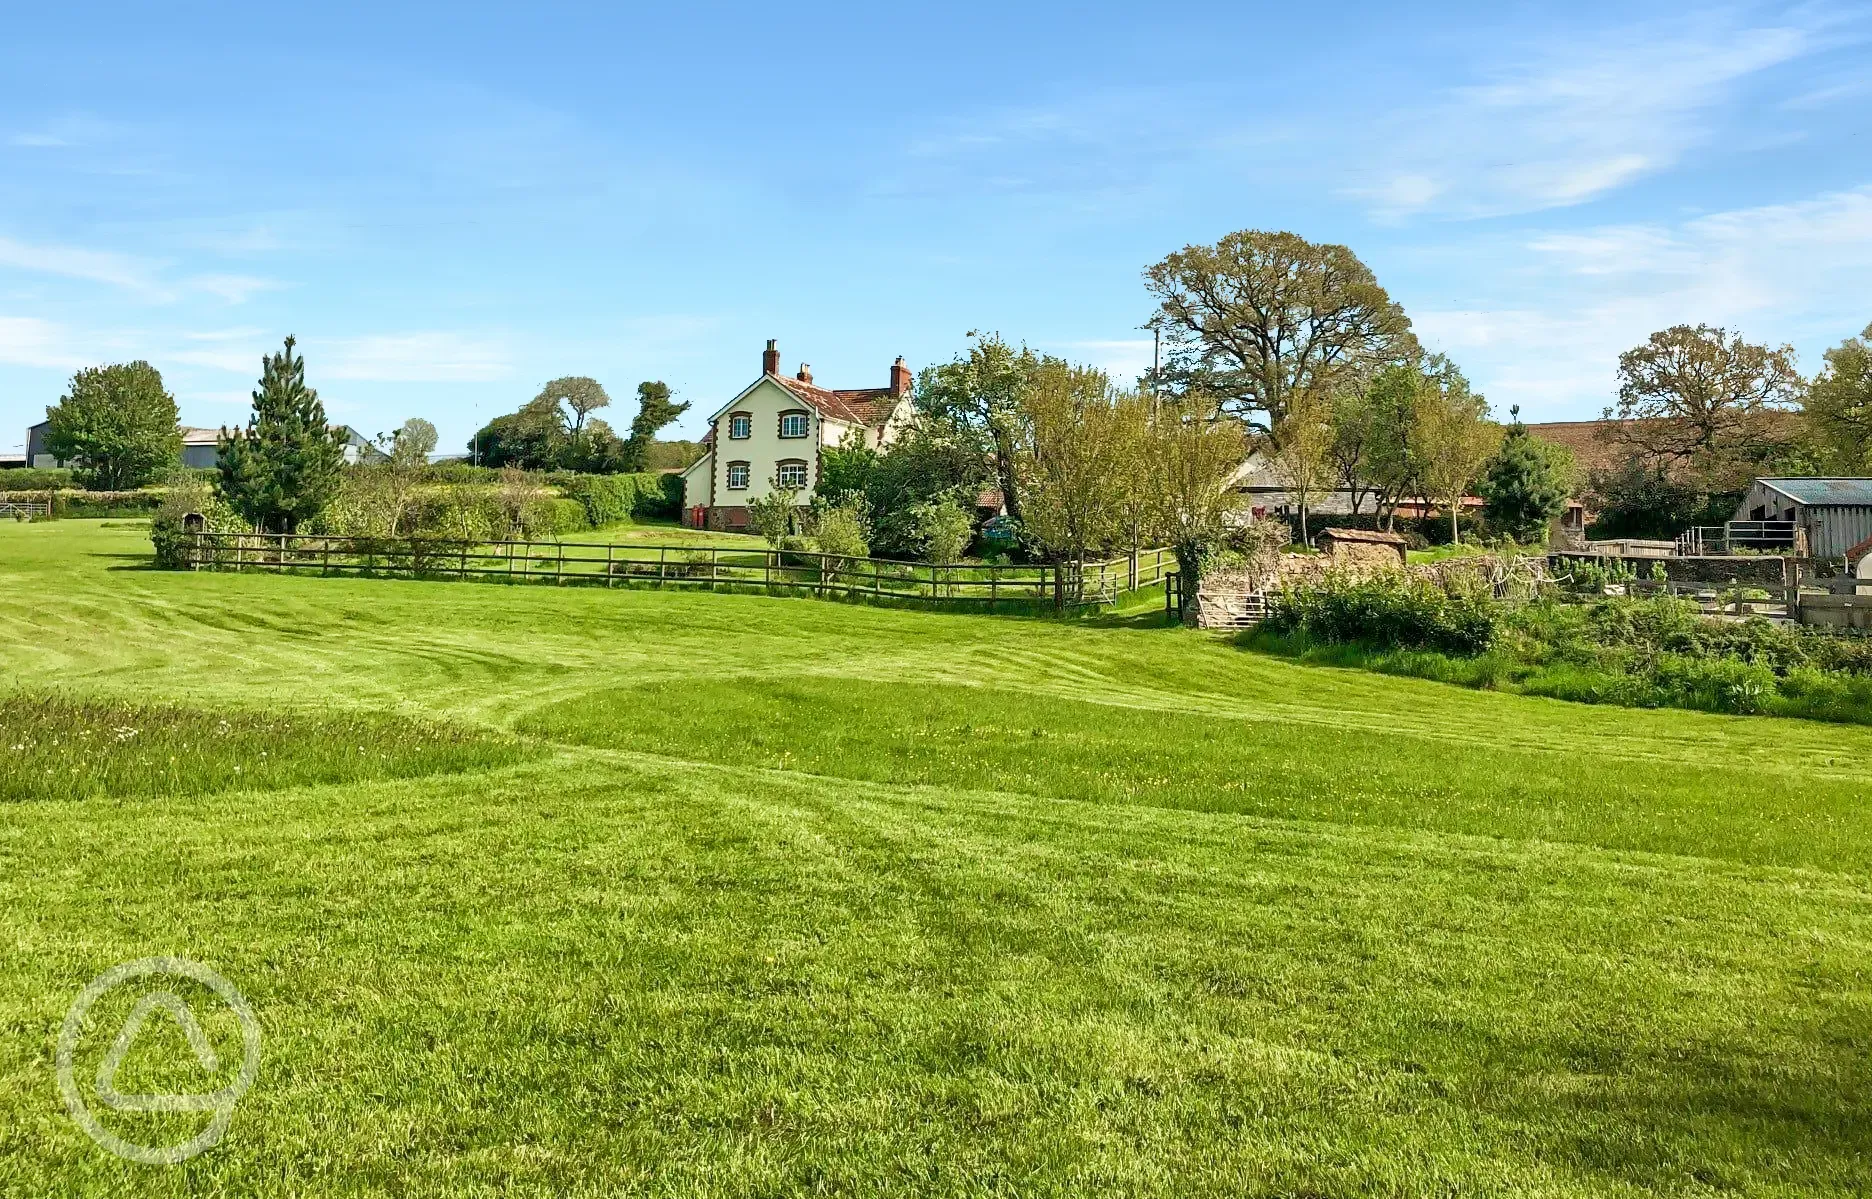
point(994, 585)
point(714, 566)
point(1059, 591)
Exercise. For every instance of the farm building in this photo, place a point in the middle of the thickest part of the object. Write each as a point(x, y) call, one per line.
point(200, 447)
point(1834, 514)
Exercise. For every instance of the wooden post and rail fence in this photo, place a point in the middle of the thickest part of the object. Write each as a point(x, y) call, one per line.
point(1060, 586)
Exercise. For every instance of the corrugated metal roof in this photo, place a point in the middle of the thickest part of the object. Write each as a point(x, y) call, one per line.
point(1824, 492)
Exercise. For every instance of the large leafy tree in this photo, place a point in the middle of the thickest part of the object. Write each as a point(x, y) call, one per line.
point(533, 438)
point(1700, 402)
point(655, 410)
point(1525, 486)
point(1260, 316)
point(285, 466)
point(117, 424)
point(1839, 406)
point(978, 397)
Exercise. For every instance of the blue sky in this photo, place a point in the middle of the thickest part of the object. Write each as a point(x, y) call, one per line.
point(450, 205)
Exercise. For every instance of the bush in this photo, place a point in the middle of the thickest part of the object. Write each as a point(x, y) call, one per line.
point(1387, 611)
point(842, 530)
point(185, 494)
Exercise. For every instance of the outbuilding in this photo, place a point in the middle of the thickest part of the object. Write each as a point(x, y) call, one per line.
point(1830, 516)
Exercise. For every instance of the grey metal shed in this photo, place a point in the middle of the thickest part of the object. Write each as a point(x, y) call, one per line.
point(1835, 514)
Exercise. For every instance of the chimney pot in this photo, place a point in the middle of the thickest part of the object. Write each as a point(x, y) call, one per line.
point(805, 373)
point(770, 360)
point(899, 377)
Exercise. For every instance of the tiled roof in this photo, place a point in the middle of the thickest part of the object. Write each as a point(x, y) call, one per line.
point(869, 406)
point(1592, 450)
point(1585, 440)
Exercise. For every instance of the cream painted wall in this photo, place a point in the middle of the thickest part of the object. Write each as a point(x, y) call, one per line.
point(764, 448)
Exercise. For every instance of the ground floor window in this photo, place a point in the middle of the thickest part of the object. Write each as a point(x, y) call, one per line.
point(791, 474)
point(737, 476)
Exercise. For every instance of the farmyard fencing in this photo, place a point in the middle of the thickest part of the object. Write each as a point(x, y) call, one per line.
point(711, 568)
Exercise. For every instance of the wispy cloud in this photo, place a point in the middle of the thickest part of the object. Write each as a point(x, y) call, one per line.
point(1573, 122)
point(235, 289)
point(1781, 273)
point(74, 262)
point(427, 357)
point(30, 341)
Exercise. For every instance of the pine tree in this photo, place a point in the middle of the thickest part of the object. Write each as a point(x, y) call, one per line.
point(1525, 485)
point(284, 467)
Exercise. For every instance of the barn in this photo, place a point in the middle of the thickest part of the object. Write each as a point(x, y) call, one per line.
point(1834, 514)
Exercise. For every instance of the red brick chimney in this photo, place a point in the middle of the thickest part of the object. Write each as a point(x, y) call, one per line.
point(805, 373)
point(900, 377)
point(770, 360)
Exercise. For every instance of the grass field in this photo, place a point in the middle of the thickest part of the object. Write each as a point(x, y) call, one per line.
point(669, 894)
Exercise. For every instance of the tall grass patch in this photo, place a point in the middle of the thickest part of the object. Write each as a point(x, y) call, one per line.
point(58, 748)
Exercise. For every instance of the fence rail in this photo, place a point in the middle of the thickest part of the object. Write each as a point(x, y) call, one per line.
point(1759, 535)
point(1060, 586)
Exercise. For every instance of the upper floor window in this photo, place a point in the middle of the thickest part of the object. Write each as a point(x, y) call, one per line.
point(737, 476)
point(793, 424)
point(740, 426)
point(790, 473)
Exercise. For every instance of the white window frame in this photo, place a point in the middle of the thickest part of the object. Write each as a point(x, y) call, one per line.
point(743, 421)
point(805, 425)
point(782, 468)
point(746, 471)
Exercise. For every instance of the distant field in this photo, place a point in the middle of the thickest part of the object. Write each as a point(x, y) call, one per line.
point(670, 893)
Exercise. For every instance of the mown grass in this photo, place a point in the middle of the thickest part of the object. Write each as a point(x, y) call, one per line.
point(1069, 749)
point(1230, 926)
point(54, 747)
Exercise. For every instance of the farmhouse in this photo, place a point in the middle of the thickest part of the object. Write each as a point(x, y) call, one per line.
point(772, 434)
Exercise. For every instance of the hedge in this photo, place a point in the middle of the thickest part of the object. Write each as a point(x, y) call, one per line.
point(89, 503)
point(35, 478)
point(612, 499)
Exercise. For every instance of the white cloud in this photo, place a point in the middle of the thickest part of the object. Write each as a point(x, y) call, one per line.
point(1573, 122)
point(431, 357)
point(1780, 273)
point(73, 262)
point(30, 341)
point(37, 140)
point(235, 289)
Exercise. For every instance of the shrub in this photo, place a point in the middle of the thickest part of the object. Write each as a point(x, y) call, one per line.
point(842, 530)
point(185, 494)
point(941, 530)
point(1391, 611)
